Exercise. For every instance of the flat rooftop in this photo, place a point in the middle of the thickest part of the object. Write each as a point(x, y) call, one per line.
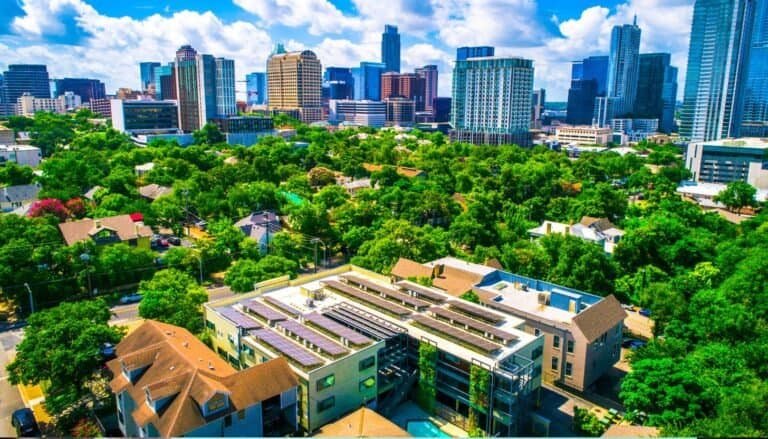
point(742, 142)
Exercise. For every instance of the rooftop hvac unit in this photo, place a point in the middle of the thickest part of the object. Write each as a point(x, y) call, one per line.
point(543, 298)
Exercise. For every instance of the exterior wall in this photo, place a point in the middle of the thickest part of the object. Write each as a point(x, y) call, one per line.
point(584, 135)
point(725, 164)
point(600, 356)
point(22, 155)
point(246, 422)
point(548, 333)
point(126, 406)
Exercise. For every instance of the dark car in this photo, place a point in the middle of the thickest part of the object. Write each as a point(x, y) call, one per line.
point(130, 298)
point(107, 351)
point(23, 420)
point(645, 312)
point(174, 240)
point(633, 344)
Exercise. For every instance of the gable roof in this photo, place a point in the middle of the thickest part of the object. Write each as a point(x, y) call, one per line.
point(598, 224)
point(19, 193)
point(154, 191)
point(406, 268)
point(123, 225)
point(179, 366)
point(256, 225)
point(453, 280)
point(597, 319)
point(363, 422)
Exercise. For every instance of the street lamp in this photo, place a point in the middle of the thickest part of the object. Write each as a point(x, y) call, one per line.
point(31, 299)
point(325, 252)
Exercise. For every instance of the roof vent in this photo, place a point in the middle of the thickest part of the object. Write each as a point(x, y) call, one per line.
point(210, 365)
point(172, 367)
point(185, 344)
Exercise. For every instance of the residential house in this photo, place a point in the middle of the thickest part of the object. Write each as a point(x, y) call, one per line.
point(582, 332)
point(259, 226)
point(598, 230)
point(15, 197)
point(362, 423)
point(154, 191)
point(167, 383)
point(142, 170)
point(91, 193)
point(22, 155)
point(109, 230)
point(354, 339)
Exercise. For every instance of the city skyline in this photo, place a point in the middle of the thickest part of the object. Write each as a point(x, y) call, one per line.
point(74, 36)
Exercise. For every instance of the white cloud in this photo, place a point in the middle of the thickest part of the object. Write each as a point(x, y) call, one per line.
point(321, 16)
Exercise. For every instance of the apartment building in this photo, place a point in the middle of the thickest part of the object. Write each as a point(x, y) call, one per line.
point(582, 332)
point(167, 383)
point(356, 339)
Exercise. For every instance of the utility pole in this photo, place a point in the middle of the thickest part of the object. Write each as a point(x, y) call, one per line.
point(31, 299)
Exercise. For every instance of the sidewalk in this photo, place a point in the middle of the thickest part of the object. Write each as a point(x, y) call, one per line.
point(33, 398)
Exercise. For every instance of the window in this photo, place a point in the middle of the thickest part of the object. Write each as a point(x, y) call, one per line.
point(569, 346)
point(556, 342)
point(227, 421)
point(555, 363)
point(216, 403)
point(367, 363)
point(536, 332)
point(326, 382)
point(326, 404)
point(536, 353)
point(367, 383)
point(210, 325)
point(568, 368)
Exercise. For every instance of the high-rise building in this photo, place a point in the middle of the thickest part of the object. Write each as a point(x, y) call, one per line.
point(390, 48)
point(340, 83)
point(390, 85)
point(26, 78)
point(204, 88)
point(87, 89)
point(754, 121)
point(429, 74)
point(165, 82)
point(411, 86)
point(649, 103)
point(400, 112)
point(623, 69)
point(492, 100)
point(463, 53)
point(538, 99)
point(147, 74)
point(295, 83)
point(589, 78)
point(256, 88)
point(367, 80)
point(718, 58)
point(669, 97)
point(441, 109)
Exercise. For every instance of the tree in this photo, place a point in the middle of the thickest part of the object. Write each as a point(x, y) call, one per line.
point(61, 347)
point(245, 273)
point(209, 134)
point(49, 206)
point(173, 297)
point(321, 176)
point(737, 195)
point(13, 174)
point(120, 264)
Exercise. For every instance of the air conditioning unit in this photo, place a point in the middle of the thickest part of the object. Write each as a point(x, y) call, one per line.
point(543, 298)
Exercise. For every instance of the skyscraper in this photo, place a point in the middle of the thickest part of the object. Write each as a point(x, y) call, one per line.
point(26, 78)
point(390, 48)
point(463, 53)
point(340, 83)
point(492, 100)
point(87, 89)
point(669, 97)
point(147, 74)
point(653, 72)
point(429, 73)
point(411, 86)
point(623, 68)
point(538, 99)
point(718, 58)
point(754, 121)
point(295, 84)
point(589, 78)
point(390, 85)
point(367, 80)
point(165, 82)
point(204, 88)
point(256, 88)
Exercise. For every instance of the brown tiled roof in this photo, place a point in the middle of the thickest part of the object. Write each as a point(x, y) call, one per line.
point(126, 229)
point(599, 318)
point(177, 363)
point(406, 268)
point(452, 280)
point(154, 191)
point(616, 430)
point(598, 224)
point(362, 423)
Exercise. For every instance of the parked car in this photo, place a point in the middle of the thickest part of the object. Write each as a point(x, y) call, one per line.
point(130, 298)
point(645, 312)
point(174, 240)
point(23, 420)
point(107, 351)
point(633, 343)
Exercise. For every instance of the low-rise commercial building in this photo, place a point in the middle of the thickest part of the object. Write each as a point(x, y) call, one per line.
point(145, 117)
point(23, 155)
point(583, 135)
point(728, 160)
point(244, 130)
point(28, 105)
point(598, 230)
point(362, 113)
point(401, 112)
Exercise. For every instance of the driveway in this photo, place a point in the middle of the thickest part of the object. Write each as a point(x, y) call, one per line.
point(10, 399)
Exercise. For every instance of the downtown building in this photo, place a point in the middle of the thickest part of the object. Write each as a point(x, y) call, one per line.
point(360, 113)
point(165, 82)
point(256, 88)
point(656, 90)
point(87, 89)
point(589, 78)
point(339, 82)
point(295, 85)
point(429, 75)
point(720, 68)
point(390, 49)
point(464, 53)
point(623, 71)
point(492, 101)
point(205, 88)
point(147, 75)
point(19, 79)
point(366, 80)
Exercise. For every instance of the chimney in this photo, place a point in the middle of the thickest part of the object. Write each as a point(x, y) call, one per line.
point(210, 365)
point(97, 223)
point(549, 227)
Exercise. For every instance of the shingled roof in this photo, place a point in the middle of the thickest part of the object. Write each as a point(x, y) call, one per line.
point(362, 423)
point(597, 319)
point(123, 225)
point(179, 364)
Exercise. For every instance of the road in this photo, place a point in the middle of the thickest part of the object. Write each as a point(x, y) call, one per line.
point(130, 312)
point(10, 400)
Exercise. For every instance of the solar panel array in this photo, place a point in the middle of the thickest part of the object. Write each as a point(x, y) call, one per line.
point(237, 317)
point(342, 331)
point(325, 345)
point(421, 291)
point(376, 301)
point(282, 306)
point(502, 335)
point(263, 311)
point(288, 348)
point(476, 311)
point(388, 292)
point(460, 335)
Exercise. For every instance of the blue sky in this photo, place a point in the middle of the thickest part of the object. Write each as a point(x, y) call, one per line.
point(107, 38)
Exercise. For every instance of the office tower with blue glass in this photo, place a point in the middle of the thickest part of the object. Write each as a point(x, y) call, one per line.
point(340, 83)
point(256, 88)
point(147, 74)
point(204, 88)
point(367, 80)
point(390, 48)
point(492, 101)
point(588, 81)
point(26, 78)
point(754, 121)
point(464, 53)
point(656, 89)
point(623, 70)
point(87, 89)
point(165, 83)
point(718, 64)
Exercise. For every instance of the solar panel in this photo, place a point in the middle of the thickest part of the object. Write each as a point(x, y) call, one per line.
point(322, 343)
point(476, 311)
point(387, 292)
point(473, 341)
point(342, 331)
point(502, 335)
point(282, 306)
point(237, 317)
point(370, 299)
point(288, 348)
point(421, 291)
point(263, 311)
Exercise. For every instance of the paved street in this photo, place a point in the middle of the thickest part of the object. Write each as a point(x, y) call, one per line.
point(130, 312)
point(10, 400)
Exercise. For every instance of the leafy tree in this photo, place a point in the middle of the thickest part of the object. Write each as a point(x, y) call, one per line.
point(14, 175)
point(321, 176)
point(120, 264)
point(245, 272)
point(49, 206)
point(172, 296)
point(61, 347)
point(209, 134)
point(737, 195)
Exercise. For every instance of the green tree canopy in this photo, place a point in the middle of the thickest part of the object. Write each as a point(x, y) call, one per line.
point(172, 296)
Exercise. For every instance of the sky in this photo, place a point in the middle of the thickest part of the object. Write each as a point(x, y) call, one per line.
point(106, 39)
